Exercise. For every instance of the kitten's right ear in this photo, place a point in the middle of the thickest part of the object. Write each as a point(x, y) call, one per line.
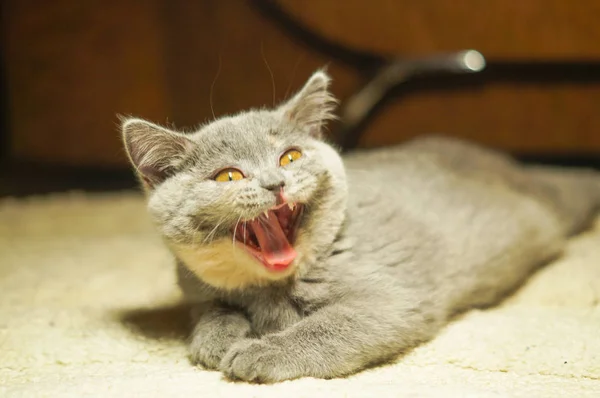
point(313, 106)
point(154, 151)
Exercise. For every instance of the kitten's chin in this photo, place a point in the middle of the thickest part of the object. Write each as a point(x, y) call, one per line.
point(225, 265)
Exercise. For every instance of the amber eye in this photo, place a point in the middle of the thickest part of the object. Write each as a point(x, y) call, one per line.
point(229, 175)
point(289, 157)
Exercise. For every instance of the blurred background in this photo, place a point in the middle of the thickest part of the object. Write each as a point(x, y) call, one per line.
point(68, 67)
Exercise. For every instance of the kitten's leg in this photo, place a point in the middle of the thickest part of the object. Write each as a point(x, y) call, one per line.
point(335, 341)
point(217, 329)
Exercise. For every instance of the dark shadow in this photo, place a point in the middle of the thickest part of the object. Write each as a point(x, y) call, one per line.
point(5, 143)
point(20, 179)
point(172, 322)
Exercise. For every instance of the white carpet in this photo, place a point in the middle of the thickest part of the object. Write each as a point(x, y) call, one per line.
point(88, 308)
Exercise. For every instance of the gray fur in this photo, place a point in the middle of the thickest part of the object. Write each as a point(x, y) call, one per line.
point(394, 243)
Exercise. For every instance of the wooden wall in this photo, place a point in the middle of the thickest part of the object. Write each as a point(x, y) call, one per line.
point(73, 65)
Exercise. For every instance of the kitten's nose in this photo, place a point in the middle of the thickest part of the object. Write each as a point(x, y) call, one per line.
point(274, 186)
point(272, 181)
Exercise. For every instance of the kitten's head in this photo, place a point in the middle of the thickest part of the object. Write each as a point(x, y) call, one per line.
point(250, 198)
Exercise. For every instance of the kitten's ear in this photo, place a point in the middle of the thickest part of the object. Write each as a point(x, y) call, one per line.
point(154, 151)
point(312, 107)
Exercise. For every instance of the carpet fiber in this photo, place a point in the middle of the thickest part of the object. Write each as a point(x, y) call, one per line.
point(88, 307)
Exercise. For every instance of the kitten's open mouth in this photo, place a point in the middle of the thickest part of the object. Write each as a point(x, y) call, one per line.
point(270, 237)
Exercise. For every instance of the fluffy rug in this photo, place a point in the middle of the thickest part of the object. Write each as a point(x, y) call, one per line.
point(89, 308)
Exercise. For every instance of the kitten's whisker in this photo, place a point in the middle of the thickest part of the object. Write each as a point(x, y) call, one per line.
point(187, 273)
point(262, 52)
point(194, 233)
point(235, 230)
point(302, 161)
point(213, 231)
point(207, 237)
point(300, 58)
point(212, 86)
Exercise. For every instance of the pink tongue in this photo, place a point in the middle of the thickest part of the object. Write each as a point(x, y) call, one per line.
point(274, 246)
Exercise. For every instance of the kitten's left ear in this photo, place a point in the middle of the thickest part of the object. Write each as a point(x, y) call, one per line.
point(155, 152)
point(312, 107)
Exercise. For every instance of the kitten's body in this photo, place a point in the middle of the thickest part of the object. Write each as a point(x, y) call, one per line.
point(417, 233)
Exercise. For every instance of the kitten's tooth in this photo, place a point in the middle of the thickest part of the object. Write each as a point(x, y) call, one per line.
point(266, 214)
point(291, 206)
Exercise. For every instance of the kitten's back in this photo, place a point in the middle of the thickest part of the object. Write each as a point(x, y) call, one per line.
point(473, 215)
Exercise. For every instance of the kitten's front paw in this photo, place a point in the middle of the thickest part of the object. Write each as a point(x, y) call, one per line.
point(258, 361)
point(207, 355)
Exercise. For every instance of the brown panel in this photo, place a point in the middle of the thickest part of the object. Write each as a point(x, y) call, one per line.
point(497, 28)
point(72, 65)
point(199, 34)
point(522, 118)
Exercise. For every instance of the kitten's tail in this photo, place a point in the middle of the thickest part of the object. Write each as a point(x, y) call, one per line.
point(574, 193)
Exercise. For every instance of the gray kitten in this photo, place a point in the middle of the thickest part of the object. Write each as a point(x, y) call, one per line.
point(301, 264)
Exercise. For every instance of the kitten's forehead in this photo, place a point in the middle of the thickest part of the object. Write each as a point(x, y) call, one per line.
point(251, 134)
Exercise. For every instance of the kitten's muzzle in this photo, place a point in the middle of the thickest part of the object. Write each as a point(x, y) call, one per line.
point(270, 237)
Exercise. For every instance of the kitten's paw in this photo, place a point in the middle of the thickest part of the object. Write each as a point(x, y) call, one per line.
point(257, 361)
point(206, 354)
